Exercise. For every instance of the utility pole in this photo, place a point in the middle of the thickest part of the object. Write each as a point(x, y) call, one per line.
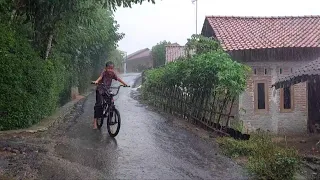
point(196, 17)
point(125, 63)
point(196, 1)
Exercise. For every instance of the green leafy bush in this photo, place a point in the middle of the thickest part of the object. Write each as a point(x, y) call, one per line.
point(203, 71)
point(236, 148)
point(276, 164)
point(159, 54)
point(237, 125)
point(29, 86)
point(36, 79)
point(266, 159)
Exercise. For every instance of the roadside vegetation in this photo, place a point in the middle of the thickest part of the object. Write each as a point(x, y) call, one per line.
point(207, 66)
point(159, 54)
point(262, 157)
point(47, 47)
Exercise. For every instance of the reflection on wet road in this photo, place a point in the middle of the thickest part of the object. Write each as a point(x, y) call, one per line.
point(147, 147)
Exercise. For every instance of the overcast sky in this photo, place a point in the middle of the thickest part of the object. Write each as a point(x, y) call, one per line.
point(174, 20)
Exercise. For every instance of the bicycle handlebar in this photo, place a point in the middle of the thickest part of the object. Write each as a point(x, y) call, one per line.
point(111, 87)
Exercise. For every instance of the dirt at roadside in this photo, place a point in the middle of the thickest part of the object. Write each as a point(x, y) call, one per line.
point(305, 144)
point(22, 155)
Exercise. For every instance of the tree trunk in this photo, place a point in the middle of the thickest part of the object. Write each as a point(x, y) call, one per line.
point(49, 46)
point(13, 14)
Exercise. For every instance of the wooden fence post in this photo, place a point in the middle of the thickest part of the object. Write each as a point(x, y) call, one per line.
point(228, 118)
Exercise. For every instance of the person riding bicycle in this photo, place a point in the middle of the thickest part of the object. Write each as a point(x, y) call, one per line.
point(106, 78)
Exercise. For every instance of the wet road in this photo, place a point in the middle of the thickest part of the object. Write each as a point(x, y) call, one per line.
point(148, 146)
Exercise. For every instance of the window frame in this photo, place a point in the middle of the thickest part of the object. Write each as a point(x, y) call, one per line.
point(282, 110)
point(266, 95)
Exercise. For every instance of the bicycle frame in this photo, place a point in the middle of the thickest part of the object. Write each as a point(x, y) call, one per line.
point(109, 109)
point(108, 101)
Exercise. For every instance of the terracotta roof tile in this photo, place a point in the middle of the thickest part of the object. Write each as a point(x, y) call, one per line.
point(139, 54)
point(300, 75)
point(237, 33)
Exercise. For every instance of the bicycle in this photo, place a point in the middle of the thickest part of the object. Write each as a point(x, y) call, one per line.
point(109, 110)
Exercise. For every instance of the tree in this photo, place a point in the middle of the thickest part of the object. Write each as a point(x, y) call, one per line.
point(117, 57)
point(74, 37)
point(201, 44)
point(45, 16)
point(89, 45)
point(159, 54)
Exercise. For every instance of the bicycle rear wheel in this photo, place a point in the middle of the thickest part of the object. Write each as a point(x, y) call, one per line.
point(100, 120)
point(113, 122)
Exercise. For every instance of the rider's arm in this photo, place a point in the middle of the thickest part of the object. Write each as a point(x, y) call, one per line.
point(115, 77)
point(99, 79)
point(120, 80)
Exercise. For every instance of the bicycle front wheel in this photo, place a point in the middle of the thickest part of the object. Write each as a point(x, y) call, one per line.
point(113, 122)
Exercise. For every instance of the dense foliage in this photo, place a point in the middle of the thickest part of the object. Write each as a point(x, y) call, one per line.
point(159, 54)
point(49, 46)
point(46, 16)
point(207, 79)
point(29, 86)
point(117, 57)
point(266, 160)
point(209, 68)
point(199, 44)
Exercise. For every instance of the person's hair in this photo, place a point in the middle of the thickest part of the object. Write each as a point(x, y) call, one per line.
point(109, 63)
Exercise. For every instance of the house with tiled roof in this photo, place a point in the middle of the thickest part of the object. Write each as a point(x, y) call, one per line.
point(139, 60)
point(274, 47)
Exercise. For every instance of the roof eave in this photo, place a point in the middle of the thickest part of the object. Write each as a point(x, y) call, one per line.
point(287, 82)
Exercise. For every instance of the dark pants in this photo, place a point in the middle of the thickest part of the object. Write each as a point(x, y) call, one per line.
point(98, 109)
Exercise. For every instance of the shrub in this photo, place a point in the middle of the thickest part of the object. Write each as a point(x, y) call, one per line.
point(30, 86)
point(266, 159)
point(237, 125)
point(274, 163)
point(235, 148)
point(213, 70)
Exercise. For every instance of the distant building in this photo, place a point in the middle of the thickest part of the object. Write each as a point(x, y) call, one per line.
point(139, 60)
point(174, 51)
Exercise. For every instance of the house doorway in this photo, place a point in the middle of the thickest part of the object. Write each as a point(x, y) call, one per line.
point(313, 107)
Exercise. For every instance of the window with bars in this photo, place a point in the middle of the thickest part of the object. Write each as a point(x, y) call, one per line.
point(261, 96)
